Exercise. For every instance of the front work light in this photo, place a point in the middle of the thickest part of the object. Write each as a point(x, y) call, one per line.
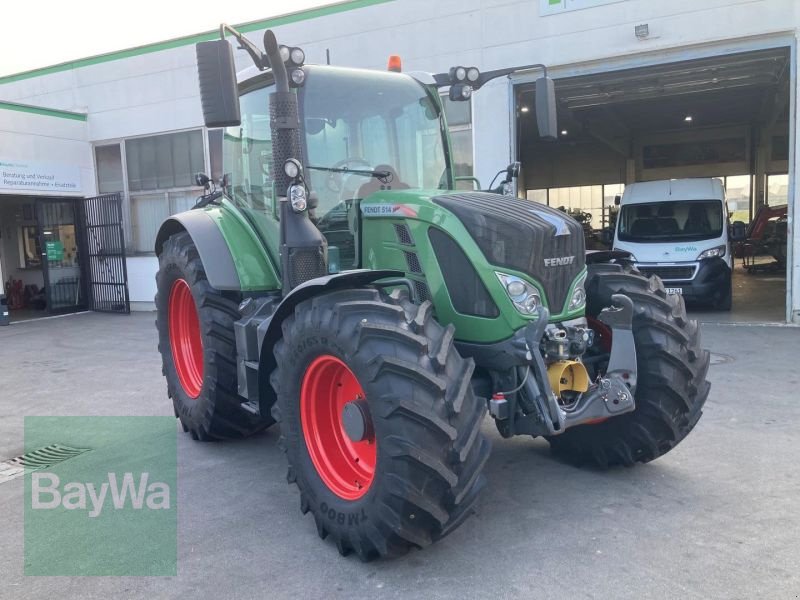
point(473, 74)
point(298, 76)
point(297, 56)
point(460, 92)
point(292, 168)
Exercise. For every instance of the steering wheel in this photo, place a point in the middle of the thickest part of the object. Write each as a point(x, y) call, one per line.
point(335, 181)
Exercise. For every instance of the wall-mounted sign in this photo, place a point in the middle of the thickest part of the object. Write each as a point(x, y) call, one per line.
point(554, 7)
point(54, 250)
point(23, 175)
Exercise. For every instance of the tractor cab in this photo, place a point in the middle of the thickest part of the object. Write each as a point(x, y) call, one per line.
point(390, 135)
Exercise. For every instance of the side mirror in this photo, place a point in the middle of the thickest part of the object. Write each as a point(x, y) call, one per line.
point(617, 200)
point(219, 93)
point(607, 236)
point(512, 172)
point(202, 180)
point(546, 108)
point(738, 231)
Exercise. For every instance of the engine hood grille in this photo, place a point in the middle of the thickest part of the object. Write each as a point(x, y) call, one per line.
point(526, 236)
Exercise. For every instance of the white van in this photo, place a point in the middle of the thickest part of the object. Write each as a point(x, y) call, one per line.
point(678, 230)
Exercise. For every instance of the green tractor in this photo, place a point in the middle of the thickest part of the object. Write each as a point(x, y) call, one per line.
point(335, 282)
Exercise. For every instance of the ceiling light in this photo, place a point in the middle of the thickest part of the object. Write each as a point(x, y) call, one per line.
point(564, 132)
point(688, 118)
point(524, 109)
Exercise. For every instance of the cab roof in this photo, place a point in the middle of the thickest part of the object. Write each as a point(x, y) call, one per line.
point(673, 189)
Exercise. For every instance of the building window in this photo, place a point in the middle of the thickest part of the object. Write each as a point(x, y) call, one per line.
point(777, 189)
point(737, 192)
point(160, 177)
point(459, 124)
point(215, 153)
point(593, 205)
point(109, 169)
point(164, 161)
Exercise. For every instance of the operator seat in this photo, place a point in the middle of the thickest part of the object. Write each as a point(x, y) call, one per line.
point(376, 185)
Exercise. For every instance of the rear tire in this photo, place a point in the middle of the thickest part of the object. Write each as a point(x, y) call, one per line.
point(204, 396)
point(425, 421)
point(671, 383)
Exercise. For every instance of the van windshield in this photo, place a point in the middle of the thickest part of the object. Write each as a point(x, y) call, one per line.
point(687, 220)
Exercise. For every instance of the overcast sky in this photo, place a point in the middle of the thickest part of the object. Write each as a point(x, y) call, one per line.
point(38, 33)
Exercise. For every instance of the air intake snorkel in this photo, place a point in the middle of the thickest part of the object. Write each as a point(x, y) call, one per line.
point(303, 247)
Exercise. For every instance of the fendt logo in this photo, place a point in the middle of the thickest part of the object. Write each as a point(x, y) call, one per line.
point(561, 261)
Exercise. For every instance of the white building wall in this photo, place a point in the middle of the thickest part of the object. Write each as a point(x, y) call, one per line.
point(157, 92)
point(46, 139)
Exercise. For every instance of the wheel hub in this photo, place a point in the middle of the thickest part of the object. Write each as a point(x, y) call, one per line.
point(356, 420)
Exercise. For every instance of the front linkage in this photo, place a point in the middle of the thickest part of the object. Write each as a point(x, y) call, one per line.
point(536, 406)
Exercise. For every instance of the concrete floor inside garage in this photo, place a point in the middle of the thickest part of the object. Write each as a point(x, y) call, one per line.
point(716, 518)
point(757, 298)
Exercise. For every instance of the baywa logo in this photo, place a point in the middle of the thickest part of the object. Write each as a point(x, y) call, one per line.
point(123, 493)
point(108, 510)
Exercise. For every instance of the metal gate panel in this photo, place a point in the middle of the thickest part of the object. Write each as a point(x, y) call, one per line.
point(105, 251)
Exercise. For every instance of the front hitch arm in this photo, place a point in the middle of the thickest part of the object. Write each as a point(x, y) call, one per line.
point(619, 317)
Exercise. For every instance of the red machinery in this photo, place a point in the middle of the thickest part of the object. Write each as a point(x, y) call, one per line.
point(766, 235)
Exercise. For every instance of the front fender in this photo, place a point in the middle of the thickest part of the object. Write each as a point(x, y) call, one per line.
point(268, 331)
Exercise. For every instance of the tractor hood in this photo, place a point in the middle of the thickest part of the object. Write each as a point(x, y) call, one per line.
point(524, 236)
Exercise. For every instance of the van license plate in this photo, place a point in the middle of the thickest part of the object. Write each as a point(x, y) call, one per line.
point(675, 291)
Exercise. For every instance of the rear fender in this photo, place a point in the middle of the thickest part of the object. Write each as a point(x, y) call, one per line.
point(233, 256)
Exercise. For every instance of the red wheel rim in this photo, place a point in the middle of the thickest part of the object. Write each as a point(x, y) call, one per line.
point(345, 466)
point(185, 339)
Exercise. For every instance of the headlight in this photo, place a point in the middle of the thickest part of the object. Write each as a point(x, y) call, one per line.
point(525, 296)
point(297, 198)
point(717, 252)
point(578, 299)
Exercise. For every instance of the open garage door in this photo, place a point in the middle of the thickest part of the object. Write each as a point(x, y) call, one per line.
point(726, 116)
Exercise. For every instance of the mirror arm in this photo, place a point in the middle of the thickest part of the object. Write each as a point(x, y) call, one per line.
point(259, 58)
point(443, 79)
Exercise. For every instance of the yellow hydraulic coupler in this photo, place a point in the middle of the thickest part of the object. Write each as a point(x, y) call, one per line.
point(568, 375)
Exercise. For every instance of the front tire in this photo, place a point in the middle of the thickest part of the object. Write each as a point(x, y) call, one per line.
point(671, 383)
point(198, 346)
point(415, 473)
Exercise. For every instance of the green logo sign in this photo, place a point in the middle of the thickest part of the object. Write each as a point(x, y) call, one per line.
point(54, 250)
point(108, 509)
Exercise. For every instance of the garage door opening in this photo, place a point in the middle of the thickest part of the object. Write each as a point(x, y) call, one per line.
point(726, 117)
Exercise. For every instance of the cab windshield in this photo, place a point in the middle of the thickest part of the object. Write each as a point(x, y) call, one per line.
point(689, 220)
point(356, 124)
point(370, 121)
